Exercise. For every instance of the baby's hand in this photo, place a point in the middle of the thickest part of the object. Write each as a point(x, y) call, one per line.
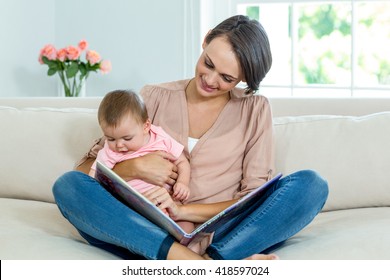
point(181, 192)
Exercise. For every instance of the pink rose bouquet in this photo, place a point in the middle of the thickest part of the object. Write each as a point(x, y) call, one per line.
point(72, 71)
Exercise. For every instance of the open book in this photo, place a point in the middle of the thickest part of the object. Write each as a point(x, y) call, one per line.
point(128, 195)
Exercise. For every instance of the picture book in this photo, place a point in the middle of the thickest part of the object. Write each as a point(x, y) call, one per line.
point(135, 200)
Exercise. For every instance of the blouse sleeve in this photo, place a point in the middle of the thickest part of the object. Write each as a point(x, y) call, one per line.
point(92, 153)
point(150, 96)
point(258, 163)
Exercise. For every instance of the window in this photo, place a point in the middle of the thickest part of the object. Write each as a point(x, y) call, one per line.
point(324, 48)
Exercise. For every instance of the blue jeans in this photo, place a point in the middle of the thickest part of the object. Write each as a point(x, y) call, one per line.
point(107, 223)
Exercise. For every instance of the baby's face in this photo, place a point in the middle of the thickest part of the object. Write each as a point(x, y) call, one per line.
point(128, 136)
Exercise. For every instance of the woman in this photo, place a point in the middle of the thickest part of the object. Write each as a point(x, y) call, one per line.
point(227, 134)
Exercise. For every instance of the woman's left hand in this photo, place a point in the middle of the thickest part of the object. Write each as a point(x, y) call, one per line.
point(162, 199)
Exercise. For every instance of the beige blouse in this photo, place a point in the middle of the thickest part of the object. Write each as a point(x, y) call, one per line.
point(233, 157)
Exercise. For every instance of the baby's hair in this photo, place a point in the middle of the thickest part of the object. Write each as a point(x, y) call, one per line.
point(119, 103)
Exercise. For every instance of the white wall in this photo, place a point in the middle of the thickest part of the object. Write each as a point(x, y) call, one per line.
point(147, 41)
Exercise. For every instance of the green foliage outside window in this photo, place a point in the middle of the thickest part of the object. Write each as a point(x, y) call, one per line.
point(253, 12)
point(324, 42)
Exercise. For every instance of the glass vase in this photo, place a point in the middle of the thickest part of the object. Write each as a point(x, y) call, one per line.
point(70, 88)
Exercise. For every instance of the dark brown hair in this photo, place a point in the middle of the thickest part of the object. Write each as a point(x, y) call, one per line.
point(250, 43)
point(117, 104)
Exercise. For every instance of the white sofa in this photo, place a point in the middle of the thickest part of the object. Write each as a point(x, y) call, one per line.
point(346, 140)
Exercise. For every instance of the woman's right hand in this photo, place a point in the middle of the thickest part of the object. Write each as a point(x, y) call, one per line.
point(155, 168)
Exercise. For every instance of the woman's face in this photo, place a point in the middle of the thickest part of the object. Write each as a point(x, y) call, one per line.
point(218, 69)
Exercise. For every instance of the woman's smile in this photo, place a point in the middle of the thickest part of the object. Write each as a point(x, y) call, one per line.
point(206, 87)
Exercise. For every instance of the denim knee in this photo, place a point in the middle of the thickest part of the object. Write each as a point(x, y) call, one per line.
point(65, 185)
point(314, 185)
point(94, 211)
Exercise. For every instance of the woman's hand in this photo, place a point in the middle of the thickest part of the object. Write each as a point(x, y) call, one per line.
point(155, 168)
point(162, 199)
point(197, 213)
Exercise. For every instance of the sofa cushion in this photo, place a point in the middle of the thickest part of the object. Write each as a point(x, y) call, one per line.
point(351, 153)
point(352, 234)
point(38, 145)
point(33, 230)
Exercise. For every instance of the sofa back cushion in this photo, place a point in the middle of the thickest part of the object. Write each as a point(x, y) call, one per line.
point(38, 145)
point(351, 153)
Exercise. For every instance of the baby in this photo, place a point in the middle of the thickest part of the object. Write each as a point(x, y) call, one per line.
point(129, 133)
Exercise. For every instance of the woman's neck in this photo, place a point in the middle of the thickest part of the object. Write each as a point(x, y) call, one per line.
point(203, 111)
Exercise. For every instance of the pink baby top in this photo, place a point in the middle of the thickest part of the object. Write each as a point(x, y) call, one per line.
point(159, 141)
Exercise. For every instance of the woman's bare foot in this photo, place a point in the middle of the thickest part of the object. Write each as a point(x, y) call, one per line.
point(180, 252)
point(206, 256)
point(253, 257)
point(262, 257)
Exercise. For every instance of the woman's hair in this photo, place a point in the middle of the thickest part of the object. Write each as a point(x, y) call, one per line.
point(120, 103)
point(251, 46)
